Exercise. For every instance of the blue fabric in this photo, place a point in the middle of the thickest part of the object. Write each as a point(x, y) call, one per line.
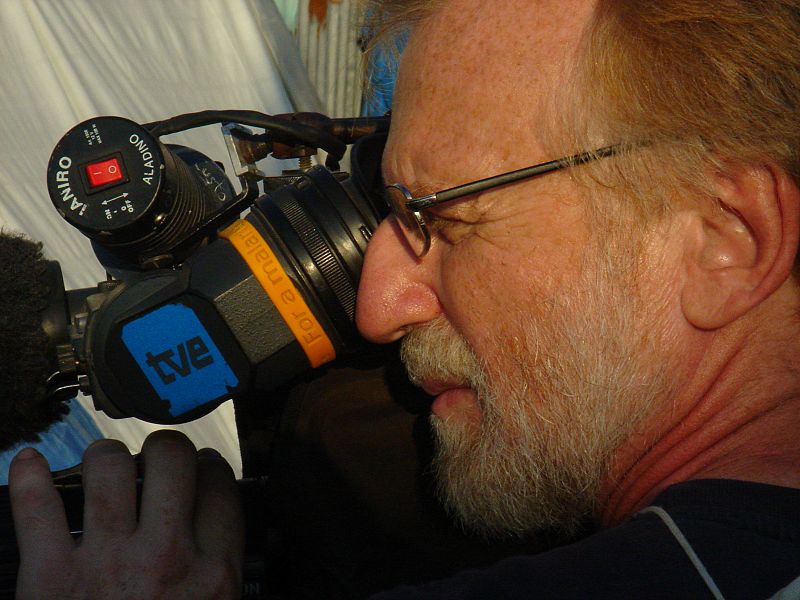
point(382, 73)
point(63, 444)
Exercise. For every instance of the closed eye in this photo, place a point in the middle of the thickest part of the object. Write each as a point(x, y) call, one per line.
point(448, 228)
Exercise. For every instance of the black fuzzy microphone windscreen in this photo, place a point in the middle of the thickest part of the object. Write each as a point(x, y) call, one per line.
point(26, 359)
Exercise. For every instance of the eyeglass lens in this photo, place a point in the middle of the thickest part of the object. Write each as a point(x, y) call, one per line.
point(411, 225)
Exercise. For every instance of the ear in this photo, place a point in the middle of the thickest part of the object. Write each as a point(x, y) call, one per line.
point(746, 246)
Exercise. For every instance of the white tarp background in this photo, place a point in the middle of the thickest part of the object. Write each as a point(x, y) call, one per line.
point(63, 61)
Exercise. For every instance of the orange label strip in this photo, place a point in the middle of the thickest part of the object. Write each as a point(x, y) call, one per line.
point(280, 289)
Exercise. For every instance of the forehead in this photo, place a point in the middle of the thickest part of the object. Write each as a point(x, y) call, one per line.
point(475, 82)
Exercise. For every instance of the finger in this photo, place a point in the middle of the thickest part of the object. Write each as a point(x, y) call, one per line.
point(39, 518)
point(219, 519)
point(109, 485)
point(170, 461)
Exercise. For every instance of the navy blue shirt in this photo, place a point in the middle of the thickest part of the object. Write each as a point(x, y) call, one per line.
point(747, 535)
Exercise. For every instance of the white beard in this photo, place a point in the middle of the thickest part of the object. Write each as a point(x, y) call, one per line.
point(561, 394)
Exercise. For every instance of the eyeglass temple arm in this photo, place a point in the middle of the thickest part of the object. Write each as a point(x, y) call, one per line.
point(497, 180)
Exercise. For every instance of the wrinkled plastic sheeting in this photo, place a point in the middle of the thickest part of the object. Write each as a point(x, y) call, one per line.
point(64, 62)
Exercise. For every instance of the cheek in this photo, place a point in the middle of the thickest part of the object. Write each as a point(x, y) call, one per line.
point(486, 290)
point(512, 270)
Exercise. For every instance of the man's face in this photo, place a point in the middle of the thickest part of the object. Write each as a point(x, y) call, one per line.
point(518, 320)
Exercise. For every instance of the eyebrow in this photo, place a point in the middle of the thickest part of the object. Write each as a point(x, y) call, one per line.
point(416, 189)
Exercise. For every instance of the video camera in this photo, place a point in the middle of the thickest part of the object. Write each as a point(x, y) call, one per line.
point(203, 304)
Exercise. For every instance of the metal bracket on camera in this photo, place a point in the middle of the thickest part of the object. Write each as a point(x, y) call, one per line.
point(240, 150)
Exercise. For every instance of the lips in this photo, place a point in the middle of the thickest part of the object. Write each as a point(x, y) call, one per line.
point(434, 388)
point(454, 401)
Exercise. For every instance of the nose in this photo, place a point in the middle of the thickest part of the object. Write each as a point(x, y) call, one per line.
point(396, 291)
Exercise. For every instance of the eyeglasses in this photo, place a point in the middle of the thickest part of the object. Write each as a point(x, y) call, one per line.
point(408, 209)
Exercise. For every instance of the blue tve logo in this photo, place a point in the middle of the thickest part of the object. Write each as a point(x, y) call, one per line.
point(179, 357)
point(188, 355)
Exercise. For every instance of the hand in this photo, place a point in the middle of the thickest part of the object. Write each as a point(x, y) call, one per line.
point(188, 541)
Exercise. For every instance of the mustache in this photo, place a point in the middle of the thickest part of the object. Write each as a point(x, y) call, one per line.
point(436, 351)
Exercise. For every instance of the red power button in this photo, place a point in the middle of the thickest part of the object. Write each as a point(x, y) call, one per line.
point(104, 172)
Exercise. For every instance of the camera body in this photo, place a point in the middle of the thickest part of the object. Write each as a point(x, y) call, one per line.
point(203, 305)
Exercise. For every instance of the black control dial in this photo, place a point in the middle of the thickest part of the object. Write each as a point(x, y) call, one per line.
point(105, 175)
point(142, 201)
